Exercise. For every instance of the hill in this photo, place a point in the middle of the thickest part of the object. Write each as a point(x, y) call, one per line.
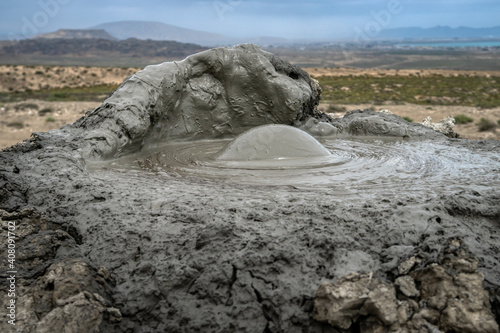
point(104, 47)
point(100, 52)
point(162, 31)
point(78, 34)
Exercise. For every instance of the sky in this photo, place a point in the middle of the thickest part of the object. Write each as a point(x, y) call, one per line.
point(292, 19)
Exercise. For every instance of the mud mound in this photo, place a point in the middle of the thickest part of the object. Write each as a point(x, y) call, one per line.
point(216, 93)
point(135, 229)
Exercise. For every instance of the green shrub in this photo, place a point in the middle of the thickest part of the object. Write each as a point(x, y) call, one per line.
point(24, 106)
point(39, 73)
point(463, 119)
point(486, 125)
point(50, 120)
point(336, 108)
point(408, 119)
point(44, 111)
point(16, 124)
point(59, 95)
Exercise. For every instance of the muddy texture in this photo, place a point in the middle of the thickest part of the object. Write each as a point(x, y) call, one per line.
point(444, 296)
point(188, 253)
point(57, 289)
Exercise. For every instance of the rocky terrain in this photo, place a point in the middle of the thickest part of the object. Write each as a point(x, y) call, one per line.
point(393, 235)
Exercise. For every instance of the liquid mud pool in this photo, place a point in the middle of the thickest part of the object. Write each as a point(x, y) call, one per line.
point(355, 165)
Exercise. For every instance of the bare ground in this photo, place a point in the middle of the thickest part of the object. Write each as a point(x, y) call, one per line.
point(17, 123)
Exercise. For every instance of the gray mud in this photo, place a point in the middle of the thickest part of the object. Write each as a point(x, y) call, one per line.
point(195, 244)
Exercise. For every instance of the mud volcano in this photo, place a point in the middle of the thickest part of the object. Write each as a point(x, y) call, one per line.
point(175, 207)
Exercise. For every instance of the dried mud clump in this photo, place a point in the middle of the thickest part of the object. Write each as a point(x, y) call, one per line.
point(443, 296)
point(57, 290)
point(445, 126)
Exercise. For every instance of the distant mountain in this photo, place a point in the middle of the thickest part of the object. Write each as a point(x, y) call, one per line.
point(162, 31)
point(78, 34)
point(440, 32)
point(98, 47)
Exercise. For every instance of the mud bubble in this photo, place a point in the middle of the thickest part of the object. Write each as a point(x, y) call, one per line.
point(272, 142)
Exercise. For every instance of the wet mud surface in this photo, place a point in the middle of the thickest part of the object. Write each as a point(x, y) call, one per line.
point(195, 243)
point(357, 166)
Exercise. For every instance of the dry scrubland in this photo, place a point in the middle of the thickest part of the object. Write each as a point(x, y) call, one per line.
point(472, 97)
point(19, 78)
point(41, 98)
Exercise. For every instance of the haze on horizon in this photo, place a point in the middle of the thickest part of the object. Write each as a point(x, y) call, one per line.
point(291, 19)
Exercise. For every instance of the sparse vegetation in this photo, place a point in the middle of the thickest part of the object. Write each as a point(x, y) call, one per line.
point(50, 120)
point(427, 90)
point(463, 119)
point(58, 95)
point(486, 125)
point(93, 93)
point(336, 108)
point(408, 119)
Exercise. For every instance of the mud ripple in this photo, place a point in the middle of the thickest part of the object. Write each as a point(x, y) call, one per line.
point(354, 165)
